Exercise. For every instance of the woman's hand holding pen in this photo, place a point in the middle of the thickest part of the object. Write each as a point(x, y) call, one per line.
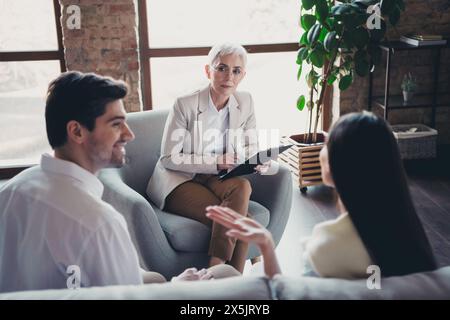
point(263, 168)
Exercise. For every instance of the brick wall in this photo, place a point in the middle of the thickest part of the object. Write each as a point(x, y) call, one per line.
point(106, 43)
point(420, 16)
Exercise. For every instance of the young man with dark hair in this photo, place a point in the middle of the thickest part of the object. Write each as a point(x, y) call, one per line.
point(54, 224)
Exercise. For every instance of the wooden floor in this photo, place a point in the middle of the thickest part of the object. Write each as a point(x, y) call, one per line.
point(429, 181)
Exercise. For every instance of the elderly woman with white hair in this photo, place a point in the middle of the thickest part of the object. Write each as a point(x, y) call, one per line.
point(205, 133)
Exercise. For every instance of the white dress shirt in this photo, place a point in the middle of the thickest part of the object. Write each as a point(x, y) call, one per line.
point(52, 217)
point(216, 126)
point(336, 250)
point(218, 122)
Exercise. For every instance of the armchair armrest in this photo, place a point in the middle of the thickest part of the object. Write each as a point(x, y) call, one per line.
point(275, 193)
point(143, 225)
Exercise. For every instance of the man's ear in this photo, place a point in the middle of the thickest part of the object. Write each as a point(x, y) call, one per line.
point(207, 71)
point(75, 132)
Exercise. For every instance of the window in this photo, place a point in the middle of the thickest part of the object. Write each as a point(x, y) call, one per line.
point(175, 38)
point(174, 23)
point(31, 55)
point(274, 103)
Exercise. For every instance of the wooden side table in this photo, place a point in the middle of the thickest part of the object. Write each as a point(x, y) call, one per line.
point(303, 162)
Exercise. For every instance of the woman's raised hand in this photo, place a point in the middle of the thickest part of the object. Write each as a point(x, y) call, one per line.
point(242, 228)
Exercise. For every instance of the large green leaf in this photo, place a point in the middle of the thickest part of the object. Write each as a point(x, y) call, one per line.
point(301, 102)
point(352, 21)
point(304, 39)
point(321, 10)
point(307, 21)
point(401, 5)
point(345, 82)
point(323, 34)
point(299, 72)
point(308, 4)
point(302, 54)
point(360, 37)
point(313, 33)
point(330, 42)
point(317, 57)
point(341, 9)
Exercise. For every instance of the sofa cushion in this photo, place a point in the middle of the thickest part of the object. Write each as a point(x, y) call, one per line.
point(427, 285)
point(188, 235)
point(2, 182)
point(236, 288)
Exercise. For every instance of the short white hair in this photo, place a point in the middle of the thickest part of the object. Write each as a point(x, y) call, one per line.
point(224, 49)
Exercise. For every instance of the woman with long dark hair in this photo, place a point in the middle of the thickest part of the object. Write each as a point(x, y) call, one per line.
point(377, 224)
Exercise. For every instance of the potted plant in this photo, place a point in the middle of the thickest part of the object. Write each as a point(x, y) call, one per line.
point(409, 86)
point(340, 39)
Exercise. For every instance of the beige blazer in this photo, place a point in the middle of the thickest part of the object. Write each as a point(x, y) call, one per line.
point(184, 136)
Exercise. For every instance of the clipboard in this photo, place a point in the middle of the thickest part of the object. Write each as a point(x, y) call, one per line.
point(249, 165)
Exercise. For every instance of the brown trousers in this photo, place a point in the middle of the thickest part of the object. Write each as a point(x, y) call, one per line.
point(191, 198)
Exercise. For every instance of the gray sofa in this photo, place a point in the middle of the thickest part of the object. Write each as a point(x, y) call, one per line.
point(429, 285)
point(168, 243)
point(156, 252)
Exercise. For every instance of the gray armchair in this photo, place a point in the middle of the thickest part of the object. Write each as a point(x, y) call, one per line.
point(168, 243)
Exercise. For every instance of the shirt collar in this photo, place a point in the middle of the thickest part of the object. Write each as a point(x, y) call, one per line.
point(74, 171)
point(213, 107)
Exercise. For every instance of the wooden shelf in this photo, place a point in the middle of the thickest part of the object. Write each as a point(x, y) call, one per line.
point(432, 100)
point(402, 46)
point(418, 101)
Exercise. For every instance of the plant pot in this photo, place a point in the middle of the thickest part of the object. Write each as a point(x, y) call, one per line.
point(303, 160)
point(408, 96)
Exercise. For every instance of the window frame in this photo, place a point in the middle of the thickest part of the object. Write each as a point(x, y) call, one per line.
point(54, 55)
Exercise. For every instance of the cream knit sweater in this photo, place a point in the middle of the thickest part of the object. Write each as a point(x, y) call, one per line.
point(336, 250)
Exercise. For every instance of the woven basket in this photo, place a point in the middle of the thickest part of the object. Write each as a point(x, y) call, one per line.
point(420, 144)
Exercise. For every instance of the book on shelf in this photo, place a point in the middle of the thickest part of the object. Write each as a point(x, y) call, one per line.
point(423, 40)
point(426, 36)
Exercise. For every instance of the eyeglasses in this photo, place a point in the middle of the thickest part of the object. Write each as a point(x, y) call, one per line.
point(223, 70)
